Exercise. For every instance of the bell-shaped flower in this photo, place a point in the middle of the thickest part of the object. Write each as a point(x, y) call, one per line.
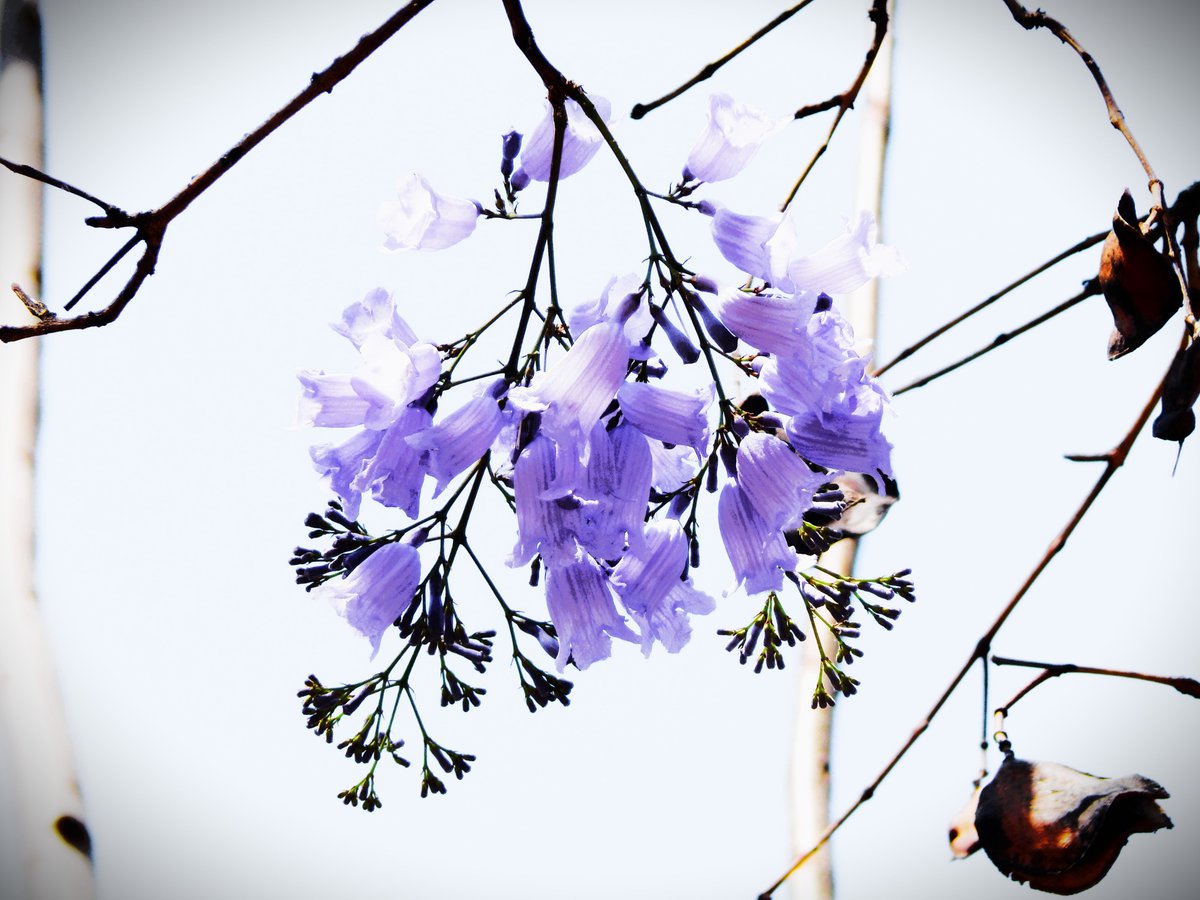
point(396, 371)
point(779, 484)
point(759, 554)
point(619, 470)
point(673, 417)
point(343, 463)
point(581, 606)
point(1059, 829)
point(772, 322)
point(394, 473)
point(374, 594)
point(622, 300)
point(573, 392)
point(734, 133)
point(581, 140)
point(653, 591)
point(849, 437)
point(769, 248)
point(458, 440)
point(422, 219)
point(546, 518)
point(673, 466)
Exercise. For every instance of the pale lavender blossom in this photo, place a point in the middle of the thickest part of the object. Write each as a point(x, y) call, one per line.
point(771, 322)
point(849, 437)
point(758, 553)
point(653, 590)
point(581, 140)
point(619, 470)
point(622, 300)
point(396, 371)
point(581, 605)
point(769, 248)
point(422, 219)
point(374, 594)
point(458, 440)
point(779, 484)
point(573, 393)
point(734, 133)
point(673, 466)
point(546, 518)
point(674, 417)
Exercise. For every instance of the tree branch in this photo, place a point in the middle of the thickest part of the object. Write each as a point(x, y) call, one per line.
point(151, 226)
point(640, 109)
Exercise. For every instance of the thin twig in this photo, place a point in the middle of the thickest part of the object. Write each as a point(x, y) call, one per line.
point(1039, 19)
point(151, 226)
point(1116, 458)
point(1090, 289)
point(640, 109)
point(1189, 686)
point(845, 100)
point(1087, 242)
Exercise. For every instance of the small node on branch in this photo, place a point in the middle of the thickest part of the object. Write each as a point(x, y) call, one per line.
point(36, 307)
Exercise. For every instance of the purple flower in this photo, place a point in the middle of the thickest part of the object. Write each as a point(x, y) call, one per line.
point(546, 518)
point(734, 133)
point(581, 605)
point(374, 594)
point(422, 219)
point(581, 140)
point(458, 440)
point(572, 393)
point(622, 300)
point(396, 371)
point(779, 484)
point(673, 417)
point(768, 248)
point(652, 589)
point(758, 552)
point(619, 470)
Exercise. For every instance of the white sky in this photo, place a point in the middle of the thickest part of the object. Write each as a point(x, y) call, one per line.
point(172, 488)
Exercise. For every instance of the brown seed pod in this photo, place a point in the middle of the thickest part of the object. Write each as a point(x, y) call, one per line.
point(1059, 829)
point(1180, 392)
point(1138, 282)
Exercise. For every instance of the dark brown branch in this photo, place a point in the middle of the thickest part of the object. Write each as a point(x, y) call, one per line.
point(151, 226)
point(1189, 686)
point(1090, 289)
point(640, 109)
point(1086, 243)
point(1115, 459)
point(38, 175)
point(1038, 19)
point(844, 101)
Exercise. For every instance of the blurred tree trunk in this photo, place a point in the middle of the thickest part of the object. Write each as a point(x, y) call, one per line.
point(814, 727)
point(43, 811)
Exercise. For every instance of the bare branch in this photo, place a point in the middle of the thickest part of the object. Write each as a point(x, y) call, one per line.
point(151, 226)
point(640, 109)
point(1188, 686)
point(1090, 289)
point(845, 100)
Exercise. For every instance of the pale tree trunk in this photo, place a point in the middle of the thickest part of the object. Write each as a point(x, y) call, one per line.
point(44, 811)
point(814, 727)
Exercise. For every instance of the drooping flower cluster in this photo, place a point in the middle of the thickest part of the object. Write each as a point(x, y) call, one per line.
point(589, 441)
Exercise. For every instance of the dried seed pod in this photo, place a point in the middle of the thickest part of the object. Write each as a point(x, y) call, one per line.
point(1059, 829)
point(964, 839)
point(1138, 282)
point(1180, 391)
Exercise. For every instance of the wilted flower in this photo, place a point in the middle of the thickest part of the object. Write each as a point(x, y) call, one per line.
point(734, 133)
point(422, 219)
point(1059, 829)
point(1138, 282)
point(581, 140)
